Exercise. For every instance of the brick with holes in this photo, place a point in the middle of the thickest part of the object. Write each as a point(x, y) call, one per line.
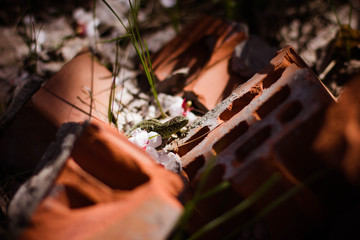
point(267, 125)
point(96, 185)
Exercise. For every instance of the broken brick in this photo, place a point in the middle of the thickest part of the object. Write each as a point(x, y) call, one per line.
point(205, 49)
point(338, 143)
point(63, 98)
point(267, 125)
point(104, 188)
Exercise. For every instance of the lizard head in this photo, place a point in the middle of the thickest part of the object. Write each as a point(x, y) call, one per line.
point(173, 126)
point(180, 121)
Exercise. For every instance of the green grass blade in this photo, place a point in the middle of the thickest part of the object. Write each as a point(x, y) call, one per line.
point(190, 205)
point(350, 15)
point(92, 66)
point(115, 39)
point(92, 84)
point(239, 208)
point(112, 10)
point(113, 87)
point(152, 80)
point(279, 200)
point(218, 188)
point(335, 12)
point(143, 53)
point(134, 12)
point(67, 102)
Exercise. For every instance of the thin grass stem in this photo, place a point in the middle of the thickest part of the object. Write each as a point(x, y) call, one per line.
point(238, 208)
point(218, 188)
point(113, 87)
point(190, 205)
point(115, 14)
point(91, 85)
point(138, 44)
point(279, 200)
point(67, 102)
point(115, 39)
point(334, 10)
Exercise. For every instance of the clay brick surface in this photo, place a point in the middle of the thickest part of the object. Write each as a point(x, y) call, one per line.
point(267, 125)
point(63, 98)
point(205, 48)
point(339, 140)
point(107, 189)
point(273, 102)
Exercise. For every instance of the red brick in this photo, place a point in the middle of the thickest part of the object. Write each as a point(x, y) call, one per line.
point(338, 143)
point(108, 189)
point(57, 102)
point(267, 125)
point(205, 47)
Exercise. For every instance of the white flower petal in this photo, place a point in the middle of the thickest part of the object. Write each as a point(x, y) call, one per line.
point(139, 137)
point(152, 152)
point(191, 117)
point(154, 139)
point(170, 161)
point(175, 109)
point(168, 3)
point(91, 27)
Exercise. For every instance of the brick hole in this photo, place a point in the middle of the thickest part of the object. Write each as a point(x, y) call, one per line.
point(289, 111)
point(233, 134)
point(272, 77)
point(273, 102)
point(252, 143)
point(76, 199)
point(193, 141)
point(194, 166)
point(114, 173)
point(237, 105)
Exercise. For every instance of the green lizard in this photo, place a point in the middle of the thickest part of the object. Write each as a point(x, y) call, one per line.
point(164, 129)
